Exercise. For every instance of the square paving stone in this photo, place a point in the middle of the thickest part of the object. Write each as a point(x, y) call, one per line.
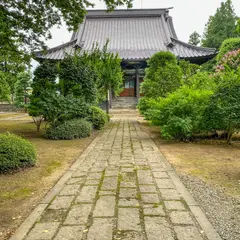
point(75, 181)
point(105, 207)
point(160, 175)
point(128, 219)
point(164, 183)
point(101, 229)
point(150, 198)
point(52, 215)
point(111, 173)
point(43, 231)
point(96, 175)
point(157, 228)
point(109, 183)
point(129, 169)
point(70, 233)
point(87, 194)
point(179, 217)
point(70, 190)
point(174, 205)
point(128, 184)
point(148, 189)
point(92, 182)
point(79, 173)
point(123, 202)
point(170, 194)
point(127, 193)
point(187, 233)
point(107, 193)
point(78, 214)
point(61, 202)
point(153, 210)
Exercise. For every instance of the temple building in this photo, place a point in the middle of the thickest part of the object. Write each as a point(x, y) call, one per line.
point(135, 34)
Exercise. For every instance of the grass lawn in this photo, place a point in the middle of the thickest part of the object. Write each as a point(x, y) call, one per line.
point(213, 161)
point(9, 115)
point(21, 191)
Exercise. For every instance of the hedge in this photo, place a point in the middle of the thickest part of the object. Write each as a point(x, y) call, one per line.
point(15, 152)
point(76, 128)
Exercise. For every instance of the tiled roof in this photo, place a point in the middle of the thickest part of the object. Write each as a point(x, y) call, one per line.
point(133, 34)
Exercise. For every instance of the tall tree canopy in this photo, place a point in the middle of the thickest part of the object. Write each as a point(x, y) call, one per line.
point(194, 38)
point(220, 26)
point(25, 24)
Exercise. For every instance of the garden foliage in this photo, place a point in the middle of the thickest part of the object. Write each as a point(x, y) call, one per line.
point(221, 26)
point(71, 129)
point(228, 45)
point(15, 152)
point(203, 103)
point(180, 113)
point(21, 86)
point(163, 75)
point(4, 88)
point(97, 117)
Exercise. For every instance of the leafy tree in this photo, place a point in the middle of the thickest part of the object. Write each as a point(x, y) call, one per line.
point(21, 86)
point(163, 75)
point(11, 65)
point(238, 26)
point(220, 26)
point(4, 88)
point(223, 112)
point(78, 78)
point(111, 75)
point(45, 76)
point(44, 80)
point(194, 38)
point(25, 24)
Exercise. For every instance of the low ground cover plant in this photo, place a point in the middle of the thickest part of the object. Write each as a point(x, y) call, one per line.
point(71, 129)
point(15, 153)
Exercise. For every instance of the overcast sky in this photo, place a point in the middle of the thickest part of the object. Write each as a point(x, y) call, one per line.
point(188, 16)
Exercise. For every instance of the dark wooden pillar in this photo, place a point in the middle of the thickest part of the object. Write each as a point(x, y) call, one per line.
point(137, 84)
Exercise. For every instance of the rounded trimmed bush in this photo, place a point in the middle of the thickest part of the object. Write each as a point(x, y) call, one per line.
point(76, 128)
point(98, 117)
point(16, 153)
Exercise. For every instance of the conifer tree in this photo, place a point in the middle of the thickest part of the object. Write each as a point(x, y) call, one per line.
point(220, 26)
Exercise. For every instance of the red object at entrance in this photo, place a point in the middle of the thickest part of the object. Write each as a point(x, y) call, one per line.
point(129, 88)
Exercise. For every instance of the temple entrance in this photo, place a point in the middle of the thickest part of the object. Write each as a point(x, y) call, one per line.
point(129, 87)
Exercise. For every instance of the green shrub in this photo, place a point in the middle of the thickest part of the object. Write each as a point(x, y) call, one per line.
point(163, 75)
point(223, 111)
point(76, 128)
point(98, 117)
point(227, 46)
point(143, 105)
point(15, 152)
point(200, 80)
point(179, 115)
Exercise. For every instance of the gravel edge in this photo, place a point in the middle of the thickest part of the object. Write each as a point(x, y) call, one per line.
point(222, 211)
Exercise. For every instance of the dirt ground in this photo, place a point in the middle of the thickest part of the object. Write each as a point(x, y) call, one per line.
point(215, 162)
point(21, 191)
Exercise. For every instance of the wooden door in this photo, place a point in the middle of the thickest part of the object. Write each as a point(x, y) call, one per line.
point(129, 88)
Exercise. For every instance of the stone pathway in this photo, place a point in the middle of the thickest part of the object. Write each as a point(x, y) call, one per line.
point(120, 188)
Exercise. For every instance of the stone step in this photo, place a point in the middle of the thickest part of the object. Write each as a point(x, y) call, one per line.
point(124, 102)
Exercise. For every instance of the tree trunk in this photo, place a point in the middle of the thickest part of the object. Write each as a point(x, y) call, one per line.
point(230, 133)
point(107, 105)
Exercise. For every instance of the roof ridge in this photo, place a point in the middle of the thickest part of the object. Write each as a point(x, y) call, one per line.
point(193, 46)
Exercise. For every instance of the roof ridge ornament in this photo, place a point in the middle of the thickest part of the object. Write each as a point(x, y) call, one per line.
point(170, 44)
